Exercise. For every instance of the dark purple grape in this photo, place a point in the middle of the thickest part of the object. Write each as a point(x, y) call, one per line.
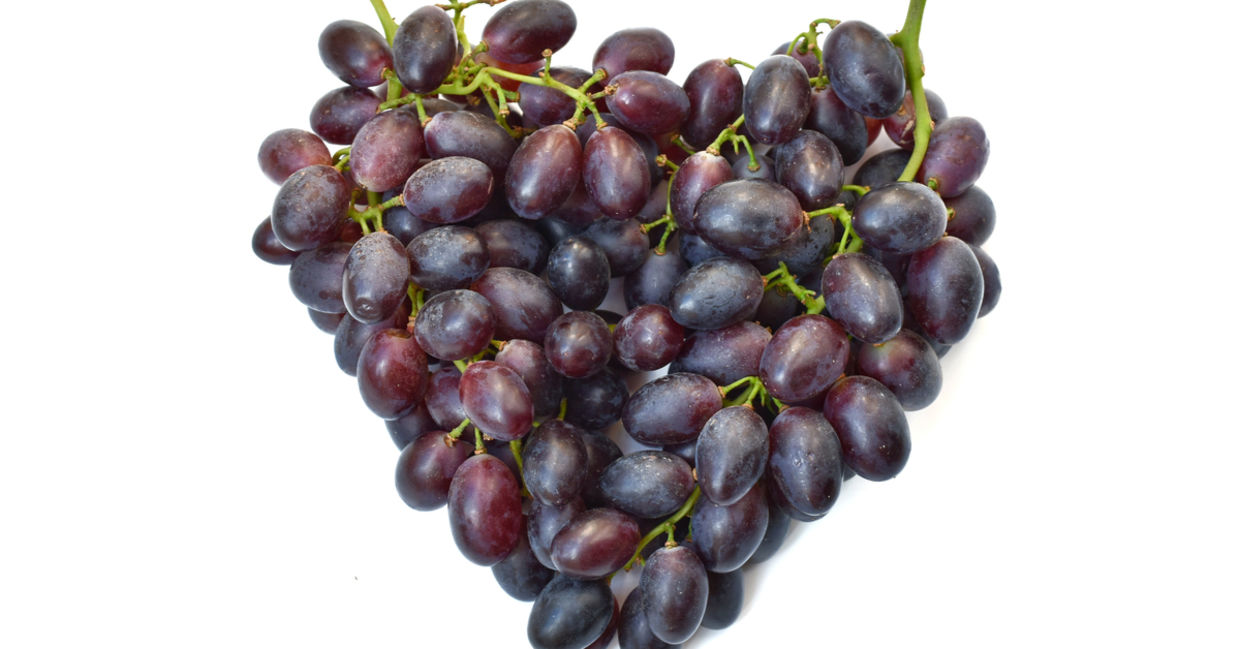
point(902, 217)
point(648, 338)
point(716, 293)
point(741, 168)
point(392, 373)
point(268, 248)
point(694, 249)
point(873, 431)
point(520, 574)
point(724, 355)
point(340, 114)
point(807, 57)
point(425, 469)
point(455, 325)
point(570, 613)
point(901, 125)
point(843, 125)
point(447, 257)
point(882, 169)
point(806, 462)
point(386, 150)
point(715, 92)
point(352, 335)
point(401, 224)
point(545, 521)
point(697, 174)
point(514, 244)
point(970, 216)
point(991, 284)
point(496, 400)
point(634, 630)
point(578, 273)
point(443, 398)
point(804, 357)
point(376, 277)
point(519, 31)
point(604, 641)
point(310, 207)
point(725, 598)
point(906, 365)
point(727, 535)
point(945, 290)
point(863, 297)
point(778, 306)
point(316, 277)
point(424, 49)
point(776, 99)
point(530, 362)
point(647, 484)
point(805, 253)
point(731, 454)
point(467, 134)
point(578, 344)
point(641, 48)
point(355, 52)
point(543, 172)
point(288, 150)
point(810, 166)
point(671, 409)
point(544, 105)
point(600, 452)
point(595, 543)
point(615, 173)
point(484, 510)
point(624, 243)
point(555, 462)
point(647, 102)
point(410, 426)
point(653, 281)
point(865, 68)
point(595, 402)
point(748, 218)
point(523, 304)
point(326, 322)
point(777, 527)
point(674, 589)
point(955, 156)
point(448, 190)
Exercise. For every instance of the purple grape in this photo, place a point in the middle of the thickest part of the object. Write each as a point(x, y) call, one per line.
point(543, 105)
point(484, 510)
point(352, 335)
point(653, 281)
point(765, 168)
point(425, 469)
point(578, 344)
point(725, 598)
point(778, 523)
point(448, 190)
point(523, 304)
point(514, 244)
point(882, 169)
point(647, 484)
point(376, 277)
point(543, 172)
point(570, 613)
point(955, 156)
point(804, 55)
point(615, 173)
point(907, 365)
point(600, 452)
point(519, 32)
point(716, 293)
point(455, 325)
point(392, 373)
point(945, 290)
point(355, 52)
point(648, 338)
point(520, 574)
point(902, 217)
point(634, 630)
point(715, 92)
point(555, 462)
point(326, 322)
point(340, 114)
point(316, 277)
point(810, 166)
point(865, 68)
point(386, 150)
point(496, 400)
point(467, 134)
point(545, 521)
point(447, 257)
point(748, 218)
point(410, 426)
point(671, 409)
point(873, 431)
point(991, 286)
point(902, 125)
point(647, 102)
point(808, 488)
point(641, 48)
point(288, 150)
point(804, 357)
point(595, 543)
point(727, 535)
point(424, 49)
point(674, 589)
point(623, 242)
point(268, 248)
point(310, 207)
point(731, 454)
point(530, 361)
point(843, 125)
point(863, 297)
point(578, 273)
point(776, 100)
point(443, 398)
point(697, 174)
point(970, 216)
point(725, 355)
point(595, 402)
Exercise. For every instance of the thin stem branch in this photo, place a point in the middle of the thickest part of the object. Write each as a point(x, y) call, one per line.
point(907, 40)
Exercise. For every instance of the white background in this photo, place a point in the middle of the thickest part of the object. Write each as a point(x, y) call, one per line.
point(183, 465)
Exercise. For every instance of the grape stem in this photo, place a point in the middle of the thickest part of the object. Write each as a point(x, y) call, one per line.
point(859, 190)
point(515, 447)
point(754, 390)
point(781, 277)
point(668, 527)
point(385, 17)
point(914, 69)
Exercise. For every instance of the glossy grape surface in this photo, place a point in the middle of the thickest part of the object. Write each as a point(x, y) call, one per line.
point(288, 150)
point(866, 70)
point(641, 48)
point(355, 52)
point(945, 290)
point(519, 31)
point(529, 361)
point(724, 355)
point(523, 304)
point(309, 208)
point(424, 49)
point(484, 509)
point(810, 165)
point(447, 257)
point(748, 218)
point(674, 590)
point(697, 174)
point(863, 297)
point(595, 543)
point(448, 190)
point(902, 217)
point(804, 357)
point(873, 432)
point(570, 613)
point(578, 273)
point(338, 115)
point(647, 484)
point(716, 293)
point(468, 134)
point(391, 373)
point(555, 462)
point(907, 365)
point(727, 535)
point(731, 454)
point(715, 92)
point(615, 173)
point(956, 155)
point(376, 276)
point(316, 277)
point(425, 469)
point(648, 338)
point(496, 400)
point(647, 102)
point(386, 150)
point(543, 171)
point(455, 324)
point(776, 100)
point(806, 465)
point(578, 344)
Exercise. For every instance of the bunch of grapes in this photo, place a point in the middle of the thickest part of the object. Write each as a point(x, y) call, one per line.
point(780, 319)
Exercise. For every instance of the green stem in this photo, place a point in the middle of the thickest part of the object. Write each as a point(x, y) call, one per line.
point(668, 527)
point(907, 40)
point(515, 447)
point(813, 302)
point(385, 17)
point(461, 365)
point(734, 62)
point(456, 433)
point(479, 446)
point(859, 190)
point(727, 134)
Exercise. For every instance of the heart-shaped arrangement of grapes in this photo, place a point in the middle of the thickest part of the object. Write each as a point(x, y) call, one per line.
point(461, 243)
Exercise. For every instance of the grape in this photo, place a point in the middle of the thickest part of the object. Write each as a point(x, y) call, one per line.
point(715, 93)
point(595, 402)
point(731, 454)
point(955, 156)
point(725, 355)
point(615, 173)
point(748, 218)
point(448, 190)
point(653, 281)
point(447, 257)
point(804, 357)
point(543, 171)
point(462, 133)
point(971, 216)
point(776, 100)
point(648, 338)
point(604, 641)
point(600, 452)
point(671, 409)
point(806, 462)
point(496, 400)
point(991, 287)
point(873, 431)
point(391, 373)
point(578, 273)
point(514, 244)
point(268, 248)
point(443, 398)
point(866, 70)
point(578, 344)
point(545, 521)
point(674, 589)
point(570, 613)
point(288, 150)
point(595, 543)
point(424, 49)
point(777, 307)
point(902, 125)
point(555, 462)
point(409, 426)
point(386, 150)
point(902, 217)
point(634, 630)
point(316, 277)
point(906, 365)
point(810, 165)
point(697, 174)
point(716, 293)
point(945, 290)
point(727, 535)
point(863, 297)
point(520, 574)
point(340, 114)
point(376, 276)
point(425, 469)
point(309, 208)
point(642, 48)
point(543, 105)
point(725, 598)
point(843, 125)
point(355, 52)
point(624, 243)
point(882, 169)
point(647, 102)
point(326, 322)
point(647, 484)
point(805, 252)
point(351, 335)
point(777, 527)
point(518, 32)
point(455, 325)
point(484, 509)
point(694, 249)
point(400, 223)
point(529, 361)
point(803, 54)
point(522, 303)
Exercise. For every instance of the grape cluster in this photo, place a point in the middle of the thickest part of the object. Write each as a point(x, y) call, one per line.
point(461, 243)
